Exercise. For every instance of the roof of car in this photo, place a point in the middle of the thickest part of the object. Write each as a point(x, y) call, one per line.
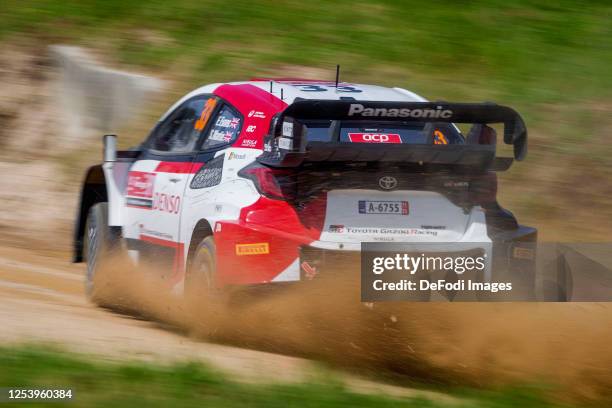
point(292, 89)
point(313, 89)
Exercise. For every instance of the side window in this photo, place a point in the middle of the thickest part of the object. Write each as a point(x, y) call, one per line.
point(180, 131)
point(224, 130)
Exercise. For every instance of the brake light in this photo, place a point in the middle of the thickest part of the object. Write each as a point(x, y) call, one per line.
point(268, 181)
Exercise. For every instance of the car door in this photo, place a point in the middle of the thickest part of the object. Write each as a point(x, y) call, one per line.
point(208, 195)
point(157, 180)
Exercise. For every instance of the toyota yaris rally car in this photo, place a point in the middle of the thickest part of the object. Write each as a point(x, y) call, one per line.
point(261, 181)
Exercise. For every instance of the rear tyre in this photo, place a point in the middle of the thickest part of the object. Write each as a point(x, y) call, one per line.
point(200, 281)
point(205, 300)
point(100, 244)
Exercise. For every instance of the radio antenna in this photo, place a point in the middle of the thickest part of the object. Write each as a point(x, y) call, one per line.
point(282, 97)
point(271, 86)
point(337, 74)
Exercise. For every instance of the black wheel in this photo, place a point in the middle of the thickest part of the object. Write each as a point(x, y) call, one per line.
point(200, 281)
point(100, 244)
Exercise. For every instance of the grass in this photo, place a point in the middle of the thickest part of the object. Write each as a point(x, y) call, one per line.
point(551, 61)
point(101, 384)
point(519, 52)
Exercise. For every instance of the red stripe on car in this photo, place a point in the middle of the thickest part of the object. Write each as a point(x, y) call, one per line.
point(178, 167)
point(160, 241)
point(257, 108)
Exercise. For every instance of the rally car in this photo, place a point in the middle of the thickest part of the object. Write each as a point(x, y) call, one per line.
point(258, 182)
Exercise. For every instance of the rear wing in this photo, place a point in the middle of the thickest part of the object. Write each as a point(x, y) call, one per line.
point(287, 144)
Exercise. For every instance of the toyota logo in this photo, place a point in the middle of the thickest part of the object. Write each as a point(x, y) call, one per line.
point(387, 182)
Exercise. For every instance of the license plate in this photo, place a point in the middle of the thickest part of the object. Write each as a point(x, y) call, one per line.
point(384, 207)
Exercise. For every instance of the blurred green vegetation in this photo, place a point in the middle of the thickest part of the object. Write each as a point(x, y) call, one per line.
point(99, 383)
point(523, 52)
point(549, 60)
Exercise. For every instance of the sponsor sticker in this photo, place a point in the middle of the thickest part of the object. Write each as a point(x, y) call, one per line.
point(523, 253)
point(145, 232)
point(139, 189)
point(309, 271)
point(357, 109)
point(384, 207)
point(287, 128)
point(375, 138)
point(140, 184)
point(257, 114)
point(382, 231)
point(260, 248)
point(285, 143)
point(166, 203)
point(249, 143)
point(456, 184)
point(236, 156)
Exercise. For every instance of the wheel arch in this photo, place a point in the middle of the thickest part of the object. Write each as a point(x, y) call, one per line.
point(200, 231)
point(93, 191)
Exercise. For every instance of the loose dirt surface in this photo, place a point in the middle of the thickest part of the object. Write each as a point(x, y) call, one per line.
point(42, 301)
point(565, 346)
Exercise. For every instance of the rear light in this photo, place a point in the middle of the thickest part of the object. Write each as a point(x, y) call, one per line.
point(276, 184)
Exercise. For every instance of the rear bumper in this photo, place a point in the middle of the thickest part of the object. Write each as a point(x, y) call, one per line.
point(278, 256)
point(512, 258)
point(316, 261)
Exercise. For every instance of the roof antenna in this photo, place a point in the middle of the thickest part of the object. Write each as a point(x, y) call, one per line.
point(271, 86)
point(282, 97)
point(337, 75)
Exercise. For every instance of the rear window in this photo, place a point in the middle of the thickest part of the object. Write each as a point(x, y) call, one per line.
point(404, 133)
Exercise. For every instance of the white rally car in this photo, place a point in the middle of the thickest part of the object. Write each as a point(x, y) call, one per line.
point(256, 182)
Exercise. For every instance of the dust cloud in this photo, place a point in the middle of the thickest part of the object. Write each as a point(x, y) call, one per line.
point(564, 346)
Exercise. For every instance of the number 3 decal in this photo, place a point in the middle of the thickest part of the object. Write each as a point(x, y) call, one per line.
point(348, 89)
point(324, 88)
point(312, 88)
